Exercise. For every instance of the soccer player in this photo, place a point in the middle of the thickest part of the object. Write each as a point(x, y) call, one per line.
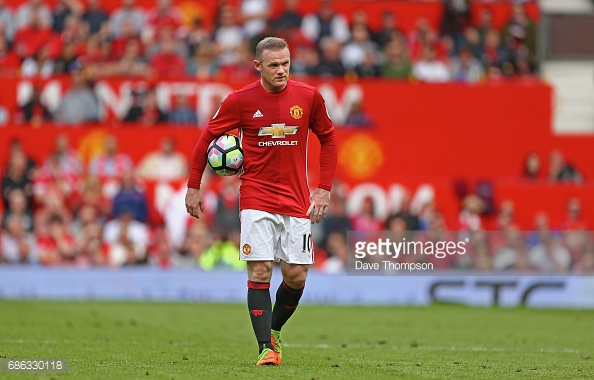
point(274, 116)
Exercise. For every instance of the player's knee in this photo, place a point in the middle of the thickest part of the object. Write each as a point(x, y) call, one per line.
point(295, 277)
point(259, 271)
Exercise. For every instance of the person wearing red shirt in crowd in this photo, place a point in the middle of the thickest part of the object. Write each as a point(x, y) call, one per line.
point(274, 116)
point(9, 61)
point(30, 39)
point(167, 63)
point(162, 15)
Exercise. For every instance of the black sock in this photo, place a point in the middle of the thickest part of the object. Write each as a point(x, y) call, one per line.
point(260, 307)
point(286, 302)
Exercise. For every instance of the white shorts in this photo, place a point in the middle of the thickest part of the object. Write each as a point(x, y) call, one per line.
point(266, 236)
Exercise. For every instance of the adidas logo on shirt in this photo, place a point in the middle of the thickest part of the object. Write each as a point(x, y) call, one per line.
point(258, 114)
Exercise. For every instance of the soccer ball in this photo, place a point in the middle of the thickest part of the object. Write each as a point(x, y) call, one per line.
point(225, 155)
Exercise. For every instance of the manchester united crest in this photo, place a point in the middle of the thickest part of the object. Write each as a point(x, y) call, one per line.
point(296, 112)
point(246, 249)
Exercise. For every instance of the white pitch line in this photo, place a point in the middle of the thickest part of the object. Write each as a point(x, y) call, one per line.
point(320, 346)
point(436, 348)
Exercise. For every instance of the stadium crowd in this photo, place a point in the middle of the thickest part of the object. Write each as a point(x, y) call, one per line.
point(73, 36)
point(64, 212)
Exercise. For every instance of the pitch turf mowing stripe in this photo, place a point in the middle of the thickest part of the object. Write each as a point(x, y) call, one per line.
point(136, 340)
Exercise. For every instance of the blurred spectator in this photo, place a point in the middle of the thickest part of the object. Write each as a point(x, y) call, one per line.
point(254, 15)
point(495, 54)
point(17, 246)
point(221, 254)
point(508, 256)
point(7, 21)
point(357, 116)
point(92, 195)
point(466, 68)
point(162, 15)
point(55, 244)
point(128, 12)
point(532, 168)
point(16, 177)
point(146, 111)
point(366, 220)
point(110, 163)
point(62, 11)
point(389, 30)
point(131, 199)
point(33, 10)
point(92, 251)
point(336, 248)
point(228, 36)
point(289, 20)
point(16, 147)
point(574, 220)
point(120, 43)
point(79, 104)
point(196, 242)
point(203, 64)
point(485, 24)
point(472, 40)
point(167, 63)
point(18, 206)
point(32, 36)
point(354, 53)
point(586, 262)
point(9, 61)
point(326, 22)
point(34, 111)
point(412, 221)
point(520, 34)
point(226, 221)
point(165, 164)
point(470, 215)
point(336, 221)
point(67, 158)
point(429, 68)
point(40, 64)
point(132, 62)
point(95, 16)
point(197, 35)
point(76, 32)
point(167, 36)
point(67, 62)
point(127, 240)
point(243, 68)
point(86, 215)
point(329, 63)
point(424, 36)
point(181, 112)
point(549, 256)
point(52, 179)
point(456, 17)
point(396, 64)
point(561, 171)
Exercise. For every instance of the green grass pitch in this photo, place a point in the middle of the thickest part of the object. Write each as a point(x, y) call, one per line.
point(137, 340)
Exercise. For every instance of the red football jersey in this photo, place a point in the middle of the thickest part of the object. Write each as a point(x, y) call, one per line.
point(274, 129)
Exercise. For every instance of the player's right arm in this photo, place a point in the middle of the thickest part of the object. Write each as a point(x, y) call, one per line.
point(225, 119)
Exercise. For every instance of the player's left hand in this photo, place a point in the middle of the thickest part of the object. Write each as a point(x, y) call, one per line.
point(318, 208)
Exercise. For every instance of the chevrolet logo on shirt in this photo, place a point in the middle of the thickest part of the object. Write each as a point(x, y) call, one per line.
point(277, 131)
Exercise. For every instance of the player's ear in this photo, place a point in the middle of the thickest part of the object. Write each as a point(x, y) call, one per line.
point(257, 65)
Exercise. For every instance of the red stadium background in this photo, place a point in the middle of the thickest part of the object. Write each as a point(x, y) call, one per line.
point(450, 136)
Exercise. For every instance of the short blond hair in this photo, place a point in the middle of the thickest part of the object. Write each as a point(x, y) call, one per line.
point(270, 43)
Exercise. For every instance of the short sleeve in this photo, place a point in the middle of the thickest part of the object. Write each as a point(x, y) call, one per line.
point(227, 116)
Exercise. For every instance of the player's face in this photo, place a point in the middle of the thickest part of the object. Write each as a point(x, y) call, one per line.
point(274, 68)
